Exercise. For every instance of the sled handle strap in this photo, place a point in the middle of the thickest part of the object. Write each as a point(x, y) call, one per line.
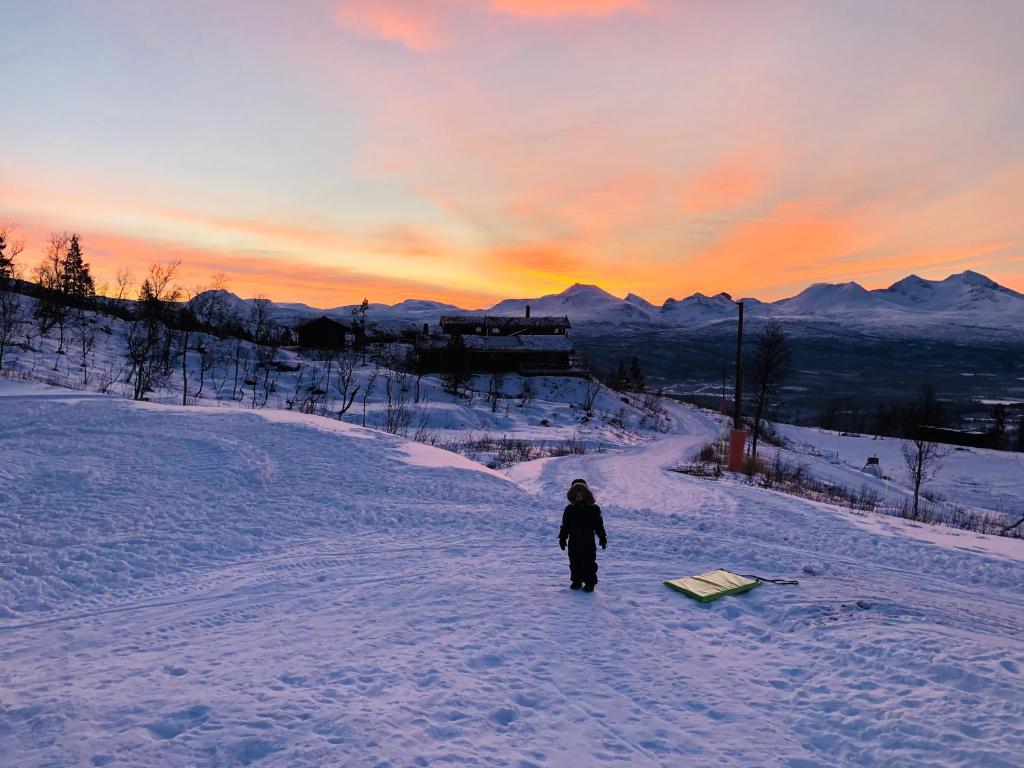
point(784, 582)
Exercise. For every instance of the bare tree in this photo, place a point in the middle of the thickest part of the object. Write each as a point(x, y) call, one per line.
point(51, 310)
point(494, 389)
point(591, 389)
point(346, 381)
point(396, 413)
point(371, 383)
point(769, 369)
point(148, 340)
point(83, 326)
point(124, 281)
point(265, 340)
point(455, 374)
point(923, 459)
point(12, 315)
point(202, 313)
point(526, 393)
point(414, 363)
point(12, 308)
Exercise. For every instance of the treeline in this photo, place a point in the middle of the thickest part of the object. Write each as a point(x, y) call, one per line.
point(924, 409)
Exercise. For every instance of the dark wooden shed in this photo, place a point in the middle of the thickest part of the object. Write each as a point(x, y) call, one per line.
point(323, 333)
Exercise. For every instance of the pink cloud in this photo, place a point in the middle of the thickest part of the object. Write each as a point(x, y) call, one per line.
point(416, 24)
point(424, 25)
point(560, 8)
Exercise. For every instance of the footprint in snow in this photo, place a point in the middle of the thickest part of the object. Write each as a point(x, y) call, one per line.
point(179, 722)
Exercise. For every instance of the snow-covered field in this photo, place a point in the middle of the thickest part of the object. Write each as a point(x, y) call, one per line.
point(206, 586)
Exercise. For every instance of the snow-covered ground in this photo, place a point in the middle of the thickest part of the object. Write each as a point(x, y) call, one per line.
point(552, 414)
point(973, 477)
point(212, 586)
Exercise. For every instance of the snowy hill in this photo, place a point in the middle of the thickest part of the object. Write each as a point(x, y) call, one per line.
point(221, 587)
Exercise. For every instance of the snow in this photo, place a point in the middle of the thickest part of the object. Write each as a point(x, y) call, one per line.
point(213, 586)
point(975, 477)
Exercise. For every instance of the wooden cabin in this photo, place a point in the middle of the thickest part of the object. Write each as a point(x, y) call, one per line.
point(324, 333)
point(493, 344)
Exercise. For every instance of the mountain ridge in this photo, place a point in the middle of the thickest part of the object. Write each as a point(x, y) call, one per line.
point(966, 298)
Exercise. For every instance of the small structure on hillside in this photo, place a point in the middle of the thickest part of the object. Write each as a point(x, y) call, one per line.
point(324, 333)
point(872, 467)
point(497, 344)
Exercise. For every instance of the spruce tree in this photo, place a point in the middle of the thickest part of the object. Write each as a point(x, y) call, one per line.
point(636, 375)
point(619, 382)
point(77, 282)
point(6, 262)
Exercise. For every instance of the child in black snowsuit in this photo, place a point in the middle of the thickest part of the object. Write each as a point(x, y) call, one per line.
point(581, 521)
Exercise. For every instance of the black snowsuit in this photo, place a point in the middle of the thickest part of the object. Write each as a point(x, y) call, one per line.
point(581, 521)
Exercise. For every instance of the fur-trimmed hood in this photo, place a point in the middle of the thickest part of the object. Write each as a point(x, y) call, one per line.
point(580, 488)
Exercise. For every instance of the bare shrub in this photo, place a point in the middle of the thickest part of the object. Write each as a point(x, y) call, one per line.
point(396, 402)
point(591, 389)
point(526, 393)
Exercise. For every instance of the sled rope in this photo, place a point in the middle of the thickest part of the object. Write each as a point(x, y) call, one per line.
point(784, 582)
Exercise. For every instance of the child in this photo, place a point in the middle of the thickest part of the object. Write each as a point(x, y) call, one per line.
point(581, 521)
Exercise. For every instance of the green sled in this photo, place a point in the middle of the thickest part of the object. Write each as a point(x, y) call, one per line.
point(712, 585)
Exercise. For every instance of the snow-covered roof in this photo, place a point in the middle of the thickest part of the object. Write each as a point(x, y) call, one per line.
point(491, 321)
point(522, 343)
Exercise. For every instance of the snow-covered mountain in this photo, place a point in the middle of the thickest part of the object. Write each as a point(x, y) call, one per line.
point(582, 303)
point(964, 292)
point(968, 301)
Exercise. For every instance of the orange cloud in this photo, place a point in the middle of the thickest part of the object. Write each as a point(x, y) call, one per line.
point(794, 243)
point(416, 24)
point(733, 180)
point(537, 263)
point(249, 274)
point(558, 8)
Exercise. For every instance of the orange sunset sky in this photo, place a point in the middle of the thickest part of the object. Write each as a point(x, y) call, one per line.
point(472, 150)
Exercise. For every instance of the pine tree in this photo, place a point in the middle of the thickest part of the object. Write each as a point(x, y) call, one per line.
point(997, 431)
point(359, 326)
point(636, 375)
point(10, 247)
point(619, 380)
point(76, 281)
point(6, 262)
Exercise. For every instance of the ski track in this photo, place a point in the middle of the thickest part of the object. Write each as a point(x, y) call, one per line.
point(223, 589)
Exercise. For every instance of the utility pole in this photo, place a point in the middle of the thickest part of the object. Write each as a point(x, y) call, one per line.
point(739, 369)
point(737, 437)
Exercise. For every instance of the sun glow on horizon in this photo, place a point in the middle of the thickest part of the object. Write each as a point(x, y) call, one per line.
point(467, 151)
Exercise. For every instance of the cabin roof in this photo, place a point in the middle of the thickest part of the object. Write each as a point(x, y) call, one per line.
point(522, 343)
point(322, 322)
point(505, 321)
point(509, 344)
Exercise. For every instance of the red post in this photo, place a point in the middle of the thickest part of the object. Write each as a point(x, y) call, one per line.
point(737, 442)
